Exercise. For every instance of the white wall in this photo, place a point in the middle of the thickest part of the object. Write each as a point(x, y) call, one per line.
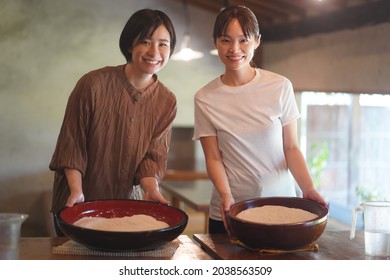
point(344, 61)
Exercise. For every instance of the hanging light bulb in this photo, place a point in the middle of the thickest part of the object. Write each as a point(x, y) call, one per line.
point(214, 52)
point(186, 53)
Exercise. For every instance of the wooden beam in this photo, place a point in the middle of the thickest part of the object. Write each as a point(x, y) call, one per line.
point(282, 7)
point(354, 17)
point(212, 6)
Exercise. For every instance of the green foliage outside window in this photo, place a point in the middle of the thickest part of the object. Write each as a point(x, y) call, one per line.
point(317, 161)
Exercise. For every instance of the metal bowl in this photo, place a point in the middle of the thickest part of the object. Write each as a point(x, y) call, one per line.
point(278, 236)
point(176, 218)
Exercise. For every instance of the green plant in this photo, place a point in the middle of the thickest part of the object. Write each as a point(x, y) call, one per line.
point(367, 194)
point(318, 160)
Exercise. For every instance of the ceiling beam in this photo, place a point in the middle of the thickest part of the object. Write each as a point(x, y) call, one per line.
point(354, 17)
point(212, 6)
point(264, 15)
point(280, 6)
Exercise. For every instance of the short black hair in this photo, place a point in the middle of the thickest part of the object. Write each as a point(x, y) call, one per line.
point(140, 26)
point(245, 17)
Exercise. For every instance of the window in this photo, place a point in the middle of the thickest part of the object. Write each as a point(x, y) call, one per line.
point(345, 139)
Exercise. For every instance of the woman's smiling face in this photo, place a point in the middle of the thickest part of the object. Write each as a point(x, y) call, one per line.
point(152, 54)
point(236, 50)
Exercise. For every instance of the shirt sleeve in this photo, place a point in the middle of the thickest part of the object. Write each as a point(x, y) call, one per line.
point(154, 163)
point(70, 150)
point(203, 125)
point(290, 110)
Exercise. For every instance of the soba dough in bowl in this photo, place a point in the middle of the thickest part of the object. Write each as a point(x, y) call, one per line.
point(118, 238)
point(297, 228)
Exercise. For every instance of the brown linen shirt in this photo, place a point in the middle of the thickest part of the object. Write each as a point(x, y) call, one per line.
point(113, 134)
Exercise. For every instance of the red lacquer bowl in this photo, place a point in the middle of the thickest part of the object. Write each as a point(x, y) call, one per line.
point(176, 218)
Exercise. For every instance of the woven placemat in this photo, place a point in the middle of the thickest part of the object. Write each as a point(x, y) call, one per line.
point(313, 248)
point(73, 248)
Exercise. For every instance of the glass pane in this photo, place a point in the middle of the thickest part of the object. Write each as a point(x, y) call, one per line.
point(374, 152)
point(345, 140)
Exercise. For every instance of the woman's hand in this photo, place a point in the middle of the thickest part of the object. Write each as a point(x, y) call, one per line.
point(150, 187)
point(73, 176)
point(314, 195)
point(155, 195)
point(74, 198)
point(226, 203)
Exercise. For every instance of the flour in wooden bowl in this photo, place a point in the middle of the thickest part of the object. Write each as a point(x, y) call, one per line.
point(274, 214)
point(133, 223)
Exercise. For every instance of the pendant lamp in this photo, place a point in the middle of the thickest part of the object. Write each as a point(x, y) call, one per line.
point(186, 53)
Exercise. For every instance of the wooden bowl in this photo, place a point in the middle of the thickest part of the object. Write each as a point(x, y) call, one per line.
point(278, 236)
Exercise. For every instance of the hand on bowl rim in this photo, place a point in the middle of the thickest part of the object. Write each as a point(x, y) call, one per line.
point(225, 207)
point(74, 198)
point(312, 194)
point(225, 223)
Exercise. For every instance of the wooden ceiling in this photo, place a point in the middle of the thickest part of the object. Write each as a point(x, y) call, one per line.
point(287, 19)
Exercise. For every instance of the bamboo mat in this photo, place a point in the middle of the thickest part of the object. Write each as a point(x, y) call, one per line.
point(73, 248)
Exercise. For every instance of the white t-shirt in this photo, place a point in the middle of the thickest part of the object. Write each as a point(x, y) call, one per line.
point(248, 121)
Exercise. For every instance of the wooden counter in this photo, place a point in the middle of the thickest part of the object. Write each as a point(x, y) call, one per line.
point(333, 245)
point(187, 175)
point(41, 248)
point(194, 193)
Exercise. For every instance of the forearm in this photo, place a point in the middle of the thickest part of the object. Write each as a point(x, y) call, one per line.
point(295, 161)
point(217, 174)
point(297, 165)
point(216, 171)
point(149, 183)
point(74, 179)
